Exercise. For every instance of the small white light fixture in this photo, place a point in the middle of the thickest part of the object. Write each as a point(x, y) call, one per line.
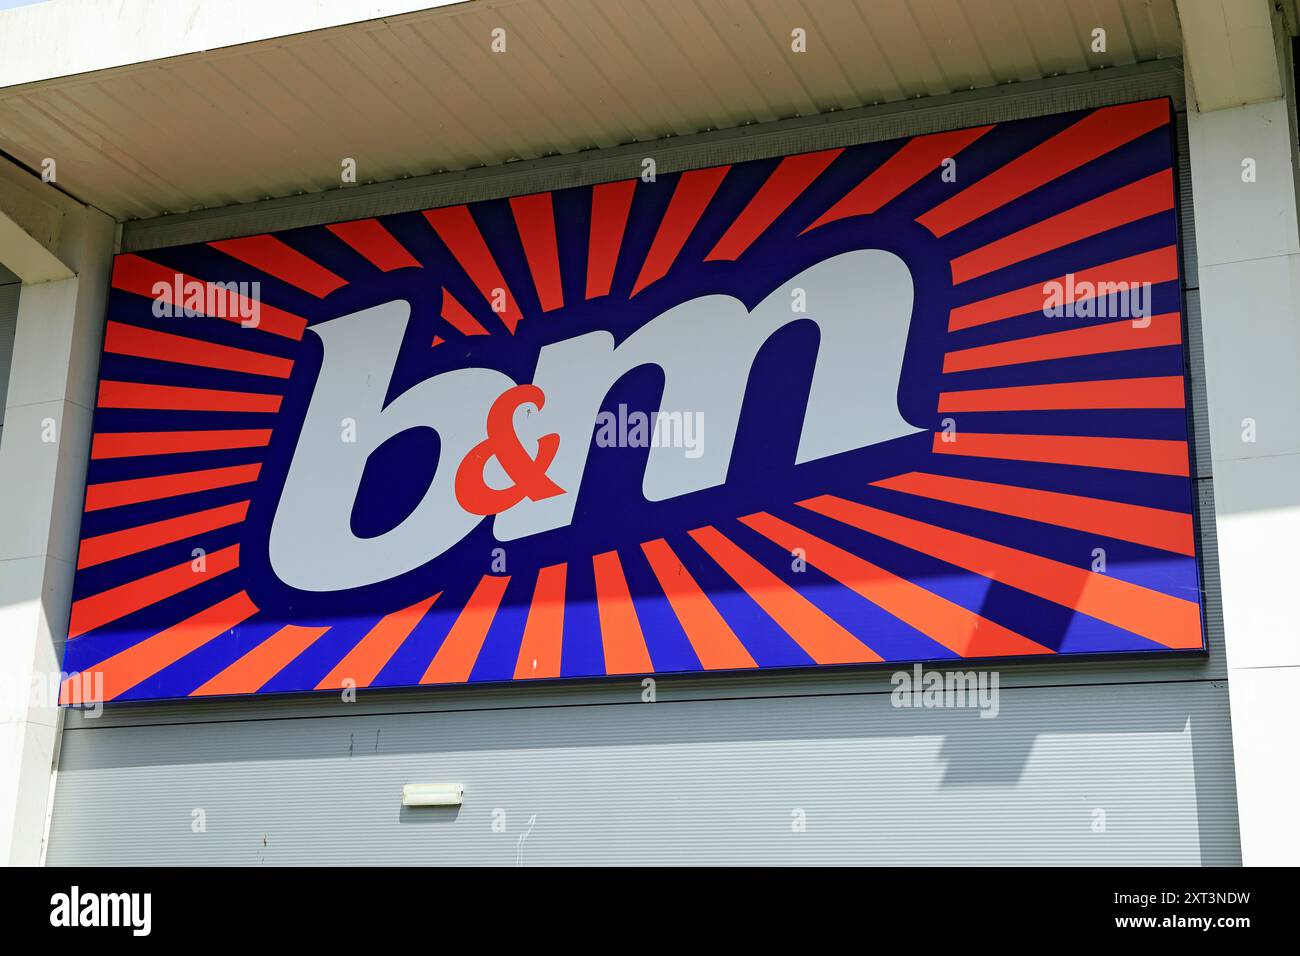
point(432, 794)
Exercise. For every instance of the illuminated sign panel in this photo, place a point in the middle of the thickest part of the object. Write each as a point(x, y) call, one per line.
point(920, 400)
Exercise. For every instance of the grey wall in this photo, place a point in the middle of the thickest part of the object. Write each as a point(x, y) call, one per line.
point(9, 288)
point(692, 781)
point(1088, 762)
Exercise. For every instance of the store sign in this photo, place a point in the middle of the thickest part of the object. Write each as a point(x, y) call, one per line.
point(915, 401)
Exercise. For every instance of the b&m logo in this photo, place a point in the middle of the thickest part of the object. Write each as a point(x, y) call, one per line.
point(879, 403)
point(517, 453)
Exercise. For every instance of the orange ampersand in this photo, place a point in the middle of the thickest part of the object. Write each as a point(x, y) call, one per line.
point(527, 473)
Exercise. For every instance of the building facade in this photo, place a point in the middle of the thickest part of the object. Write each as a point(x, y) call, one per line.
point(124, 147)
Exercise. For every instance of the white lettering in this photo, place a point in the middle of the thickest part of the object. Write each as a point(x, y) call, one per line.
point(706, 349)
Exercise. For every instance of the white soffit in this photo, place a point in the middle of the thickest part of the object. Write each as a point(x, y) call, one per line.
point(44, 39)
point(424, 92)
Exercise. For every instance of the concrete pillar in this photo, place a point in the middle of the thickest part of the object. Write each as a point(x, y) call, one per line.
point(1243, 160)
point(43, 452)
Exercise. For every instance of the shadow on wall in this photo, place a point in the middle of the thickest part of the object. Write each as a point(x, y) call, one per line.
point(1087, 774)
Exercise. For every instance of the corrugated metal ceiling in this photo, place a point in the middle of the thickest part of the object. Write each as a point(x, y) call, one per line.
point(424, 92)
